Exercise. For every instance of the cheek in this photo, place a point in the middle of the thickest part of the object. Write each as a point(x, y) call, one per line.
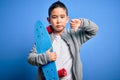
point(53, 22)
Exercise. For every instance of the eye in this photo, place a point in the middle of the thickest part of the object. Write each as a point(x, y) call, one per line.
point(54, 17)
point(62, 16)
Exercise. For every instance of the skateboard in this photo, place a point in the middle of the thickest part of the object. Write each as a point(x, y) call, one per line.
point(43, 43)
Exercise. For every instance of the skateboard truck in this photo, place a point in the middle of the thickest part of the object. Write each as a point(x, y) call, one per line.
point(49, 29)
point(62, 73)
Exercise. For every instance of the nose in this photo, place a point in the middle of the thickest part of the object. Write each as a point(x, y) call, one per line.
point(58, 20)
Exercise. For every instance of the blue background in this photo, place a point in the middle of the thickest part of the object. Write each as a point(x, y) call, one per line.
point(100, 55)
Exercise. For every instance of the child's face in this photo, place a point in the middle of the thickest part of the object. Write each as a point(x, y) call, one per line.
point(58, 19)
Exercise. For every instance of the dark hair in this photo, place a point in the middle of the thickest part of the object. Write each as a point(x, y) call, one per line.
point(55, 5)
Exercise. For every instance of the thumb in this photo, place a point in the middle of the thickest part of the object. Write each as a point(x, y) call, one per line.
point(75, 29)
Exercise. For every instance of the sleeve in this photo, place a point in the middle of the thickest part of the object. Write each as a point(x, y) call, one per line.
point(38, 59)
point(86, 31)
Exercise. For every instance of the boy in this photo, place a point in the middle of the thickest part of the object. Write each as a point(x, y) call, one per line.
point(66, 43)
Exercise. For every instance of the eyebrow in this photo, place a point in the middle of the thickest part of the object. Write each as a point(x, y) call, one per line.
point(60, 15)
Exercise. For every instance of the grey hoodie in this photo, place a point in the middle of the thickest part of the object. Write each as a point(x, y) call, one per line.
point(74, 40)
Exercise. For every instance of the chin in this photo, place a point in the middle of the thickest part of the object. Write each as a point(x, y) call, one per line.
point(59, 30)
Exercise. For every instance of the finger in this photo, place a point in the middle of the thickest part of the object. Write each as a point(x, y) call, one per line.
point(72, 25)
point(55, 57)
point(55, 54)
point(49, 49)
point(76, 20)
point(72, 22)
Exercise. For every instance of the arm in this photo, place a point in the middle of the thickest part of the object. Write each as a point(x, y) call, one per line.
point(40, 59)
point(86, 29)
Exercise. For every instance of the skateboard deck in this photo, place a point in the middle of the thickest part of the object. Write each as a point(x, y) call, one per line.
point(43, 43)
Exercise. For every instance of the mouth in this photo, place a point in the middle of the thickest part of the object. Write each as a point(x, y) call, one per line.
point(59, 26)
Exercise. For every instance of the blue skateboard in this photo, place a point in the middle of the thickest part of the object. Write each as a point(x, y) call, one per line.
point(43, 43)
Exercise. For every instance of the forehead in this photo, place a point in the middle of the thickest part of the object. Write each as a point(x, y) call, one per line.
point(58, 11)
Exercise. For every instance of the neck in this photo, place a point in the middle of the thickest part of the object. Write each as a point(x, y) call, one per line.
point(57, 33)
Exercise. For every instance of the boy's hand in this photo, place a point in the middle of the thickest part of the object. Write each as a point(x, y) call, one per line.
point(75, 24)
point(52, 55)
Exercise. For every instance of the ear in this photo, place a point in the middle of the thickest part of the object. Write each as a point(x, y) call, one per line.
point(48, 19)
point(68, 18)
